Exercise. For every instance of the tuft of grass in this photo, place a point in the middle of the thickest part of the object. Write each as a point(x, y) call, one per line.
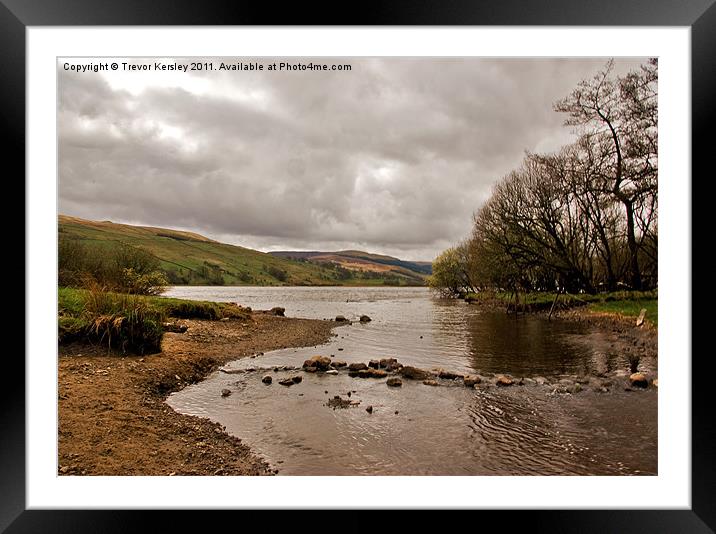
point(189, 309)
point(125, 322)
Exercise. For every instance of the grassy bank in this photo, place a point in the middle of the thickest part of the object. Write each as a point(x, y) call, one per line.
point(129, 323)
point(625, 303)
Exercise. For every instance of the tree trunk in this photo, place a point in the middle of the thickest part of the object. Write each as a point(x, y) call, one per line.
point(633, 248)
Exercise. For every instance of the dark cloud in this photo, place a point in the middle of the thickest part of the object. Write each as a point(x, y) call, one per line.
point(393, 156)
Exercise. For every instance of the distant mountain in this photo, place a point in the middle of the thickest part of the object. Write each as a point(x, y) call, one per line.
point(192, 259)
point(357, 260)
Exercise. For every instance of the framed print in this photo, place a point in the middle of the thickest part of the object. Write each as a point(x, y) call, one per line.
point(337, 215)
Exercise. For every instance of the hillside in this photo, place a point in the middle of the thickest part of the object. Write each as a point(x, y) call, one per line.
point(192, 259)
point(359, 261)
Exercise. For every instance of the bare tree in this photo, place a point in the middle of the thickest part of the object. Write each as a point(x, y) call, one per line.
point(620, 116)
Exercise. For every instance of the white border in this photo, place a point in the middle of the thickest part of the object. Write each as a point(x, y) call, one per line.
point(670, 489)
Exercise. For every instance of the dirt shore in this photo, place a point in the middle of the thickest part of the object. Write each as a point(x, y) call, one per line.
point(112, 416)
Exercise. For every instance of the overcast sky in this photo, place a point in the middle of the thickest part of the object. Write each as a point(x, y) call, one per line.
point(393, 156)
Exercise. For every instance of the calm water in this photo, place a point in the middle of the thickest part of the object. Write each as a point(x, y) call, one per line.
point(448, 430)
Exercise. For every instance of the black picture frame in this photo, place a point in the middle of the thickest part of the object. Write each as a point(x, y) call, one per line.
point(699, 15)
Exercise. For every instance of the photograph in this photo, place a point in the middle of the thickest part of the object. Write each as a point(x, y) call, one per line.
point(357, 266)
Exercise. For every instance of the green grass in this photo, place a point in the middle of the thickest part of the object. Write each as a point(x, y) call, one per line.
point(627, 303)
point(129, 323)
point(630, 308)
point(191, 259)
point(71, 302)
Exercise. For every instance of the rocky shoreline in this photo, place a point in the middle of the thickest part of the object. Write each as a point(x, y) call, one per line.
point(113, 418)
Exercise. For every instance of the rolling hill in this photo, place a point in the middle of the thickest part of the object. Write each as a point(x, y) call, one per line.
point(192, 259)
point(357, 260)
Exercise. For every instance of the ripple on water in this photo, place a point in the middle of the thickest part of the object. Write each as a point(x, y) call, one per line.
point(437, 430)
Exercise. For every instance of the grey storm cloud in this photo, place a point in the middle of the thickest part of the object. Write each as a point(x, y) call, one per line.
point(393, 156)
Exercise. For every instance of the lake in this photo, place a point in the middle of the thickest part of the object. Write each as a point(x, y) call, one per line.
point(424, 430)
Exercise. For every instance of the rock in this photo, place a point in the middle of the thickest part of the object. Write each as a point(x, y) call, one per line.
point(296, 379)
point(374, 364)
point(225, 392)
point(338, 402)
point(224, 319)
point(310, 369)
point(541, 381)
point(369, 409)
point(576, 388)
point(331, 372)
point(638, 380)
point(394, 382)
point(449, 375)
point(471, 380)
point(655, 383)
point(267, 379)
point(386, 362)
point(582, 380)
point(279, 311)
point(430, 382)
point(341, 319)
point(321, 363)
point(640, 319)
point(372, 373)
point(339, 363)
point(413, 373)
point(365, 319)
point(175, 327)
point(528, 381)
point(286, 382)
point(357, 366)
point(503, 381)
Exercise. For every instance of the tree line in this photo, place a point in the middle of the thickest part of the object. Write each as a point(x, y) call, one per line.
point(583, 219)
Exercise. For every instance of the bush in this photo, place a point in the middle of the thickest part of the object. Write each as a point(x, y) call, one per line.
point(117, 267)
point(152, 283)
point(278, 273)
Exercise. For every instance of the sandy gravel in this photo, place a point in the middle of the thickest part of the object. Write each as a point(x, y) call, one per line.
point(112, 416)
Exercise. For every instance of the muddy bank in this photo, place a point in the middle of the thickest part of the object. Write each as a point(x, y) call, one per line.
point(112, 416)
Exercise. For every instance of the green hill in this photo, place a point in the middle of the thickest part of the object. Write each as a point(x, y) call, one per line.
point(192, 259)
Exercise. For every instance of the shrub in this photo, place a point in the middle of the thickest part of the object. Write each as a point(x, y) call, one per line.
point(152, 283)
point(117, 267)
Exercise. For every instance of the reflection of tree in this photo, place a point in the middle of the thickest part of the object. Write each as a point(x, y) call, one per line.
point(524, 345)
